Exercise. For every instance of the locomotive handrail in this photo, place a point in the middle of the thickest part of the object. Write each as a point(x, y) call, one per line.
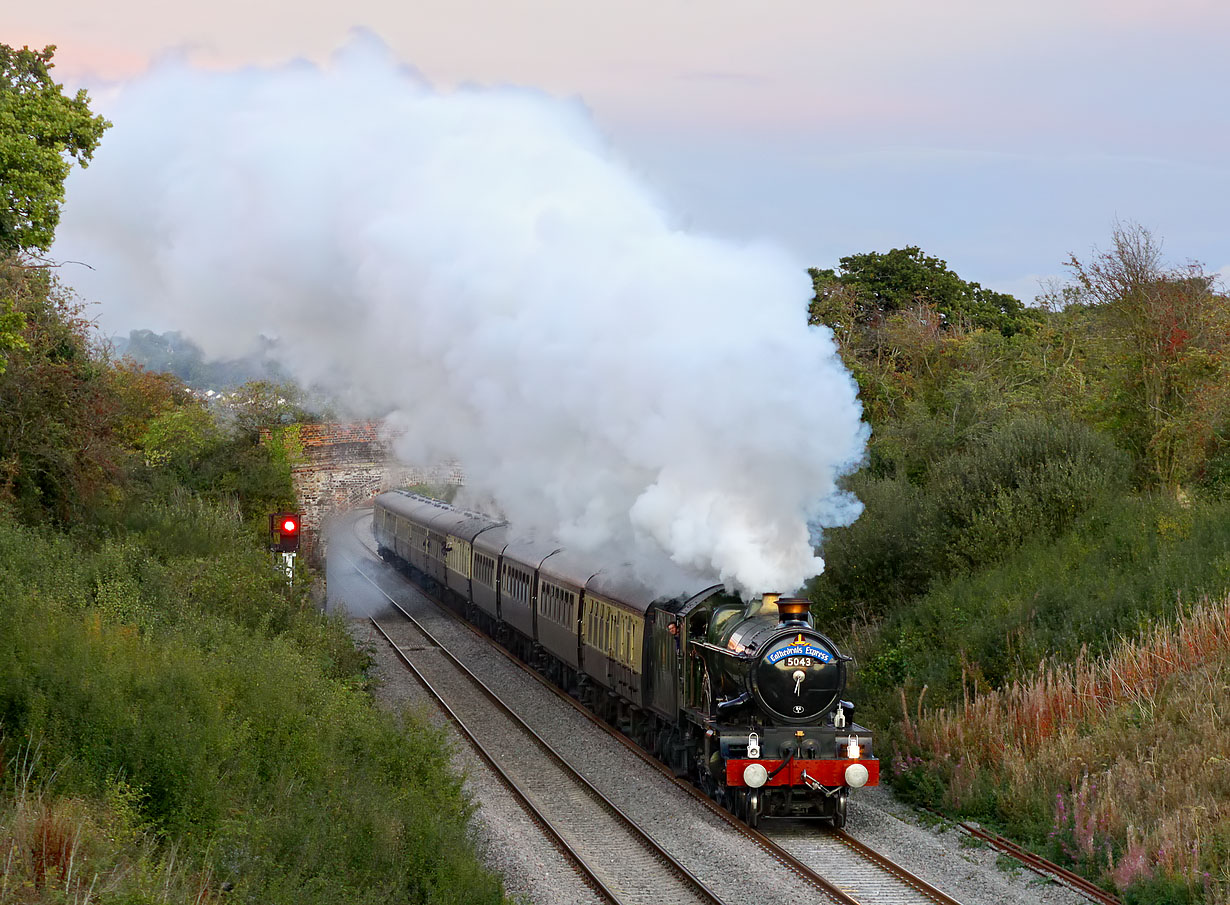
point(724, 651)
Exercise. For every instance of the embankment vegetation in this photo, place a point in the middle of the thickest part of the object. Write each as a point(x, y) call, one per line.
point(1036, 590)
point(177, 724)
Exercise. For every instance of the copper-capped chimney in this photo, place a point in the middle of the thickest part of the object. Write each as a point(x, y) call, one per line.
point(794, 609)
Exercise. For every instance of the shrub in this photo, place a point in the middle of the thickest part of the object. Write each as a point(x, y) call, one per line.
point(1029, 478)
point(1033, 476)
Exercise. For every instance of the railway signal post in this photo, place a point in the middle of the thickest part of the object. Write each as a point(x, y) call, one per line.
point(284, 531)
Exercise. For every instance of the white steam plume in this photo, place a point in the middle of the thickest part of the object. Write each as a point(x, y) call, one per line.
point(481, 263)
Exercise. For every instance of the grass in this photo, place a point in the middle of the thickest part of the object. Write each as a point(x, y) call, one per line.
point(198, 725)
point(1126, 563)
point(74, 850)
point(1117, 763)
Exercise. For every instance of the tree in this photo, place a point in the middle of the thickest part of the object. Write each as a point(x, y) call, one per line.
point(264, 403)
point(58, 448)
point(875, 285)
point(41, 132)
point(12, 323)
point(1170, 326)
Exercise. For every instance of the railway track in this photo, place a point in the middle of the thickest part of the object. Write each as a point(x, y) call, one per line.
point(1037, 863)
point(854, 873)
point(583, 821)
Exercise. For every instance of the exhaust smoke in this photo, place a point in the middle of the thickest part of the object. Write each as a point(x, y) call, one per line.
point(483, 265)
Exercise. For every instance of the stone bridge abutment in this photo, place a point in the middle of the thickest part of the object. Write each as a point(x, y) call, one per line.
point(336, 466)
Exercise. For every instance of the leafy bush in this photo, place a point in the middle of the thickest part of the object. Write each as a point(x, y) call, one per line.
point(1030, 477)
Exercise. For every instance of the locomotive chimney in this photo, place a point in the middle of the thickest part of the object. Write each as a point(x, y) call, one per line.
point(794, 609)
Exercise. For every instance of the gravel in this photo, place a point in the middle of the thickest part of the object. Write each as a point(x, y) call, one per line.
point(507, 840)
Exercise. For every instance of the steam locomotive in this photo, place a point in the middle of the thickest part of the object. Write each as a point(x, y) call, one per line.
point(744, 698)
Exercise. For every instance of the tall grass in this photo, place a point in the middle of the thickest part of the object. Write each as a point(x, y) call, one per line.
point(1122, 759)
point(169, 662)
point(78, 851)
point(1073, 694)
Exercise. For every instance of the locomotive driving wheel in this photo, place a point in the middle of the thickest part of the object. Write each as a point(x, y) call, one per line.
point(738, 803)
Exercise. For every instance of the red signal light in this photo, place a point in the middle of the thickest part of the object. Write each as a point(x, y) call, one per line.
point(284, 531)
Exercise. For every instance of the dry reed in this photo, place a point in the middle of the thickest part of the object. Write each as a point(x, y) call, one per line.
point(1130, 748)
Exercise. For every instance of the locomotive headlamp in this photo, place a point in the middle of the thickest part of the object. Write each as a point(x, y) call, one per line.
point(856, 776)
point(852, 751)
point(755, 775)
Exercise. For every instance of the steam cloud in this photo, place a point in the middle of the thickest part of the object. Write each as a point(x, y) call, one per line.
point(482, 264)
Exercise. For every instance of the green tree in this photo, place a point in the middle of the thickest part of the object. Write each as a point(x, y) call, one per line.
point(872, 286)
point(42, 131)
point(180, 435)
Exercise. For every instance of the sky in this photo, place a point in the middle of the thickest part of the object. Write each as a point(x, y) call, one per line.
point(999, 137)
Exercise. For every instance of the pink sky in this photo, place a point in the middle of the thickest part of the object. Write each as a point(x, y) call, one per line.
point(757, 117)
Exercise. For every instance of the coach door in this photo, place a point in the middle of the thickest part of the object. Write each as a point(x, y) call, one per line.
point(663, 675)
